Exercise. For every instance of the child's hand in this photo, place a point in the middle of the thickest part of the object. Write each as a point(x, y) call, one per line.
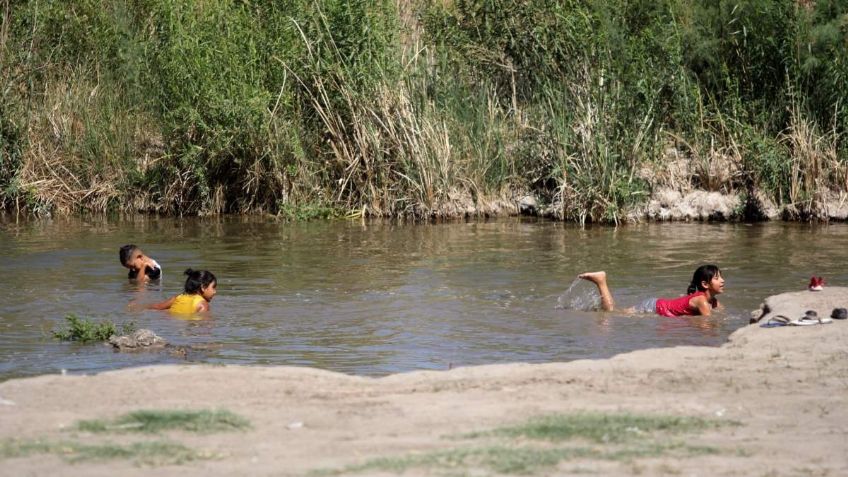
point(135, 306)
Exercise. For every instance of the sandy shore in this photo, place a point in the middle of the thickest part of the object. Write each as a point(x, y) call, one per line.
point(781, 393)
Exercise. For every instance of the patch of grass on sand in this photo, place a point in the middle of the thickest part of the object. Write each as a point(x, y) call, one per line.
point(622, 437)
point(521, 460)
point(652, 449)
point(152, 421)
point(499, 459)
point(599, 428)
point(146, 453)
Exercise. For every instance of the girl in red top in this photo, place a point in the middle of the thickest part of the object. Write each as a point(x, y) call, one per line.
point(700, 299)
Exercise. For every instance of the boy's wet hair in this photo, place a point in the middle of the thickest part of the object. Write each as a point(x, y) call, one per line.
point(198, 279)
point(125, 253)
point(704, 273)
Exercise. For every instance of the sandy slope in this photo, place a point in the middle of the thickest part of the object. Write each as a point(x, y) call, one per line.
point(788, 387)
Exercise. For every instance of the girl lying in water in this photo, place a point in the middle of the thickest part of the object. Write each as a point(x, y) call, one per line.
point(700, 298)
point(200, 288)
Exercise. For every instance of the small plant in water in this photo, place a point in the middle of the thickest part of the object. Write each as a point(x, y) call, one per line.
point(86, 331)
point(307, 212)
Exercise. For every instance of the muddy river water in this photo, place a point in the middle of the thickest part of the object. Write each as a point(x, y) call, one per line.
point(378, 298)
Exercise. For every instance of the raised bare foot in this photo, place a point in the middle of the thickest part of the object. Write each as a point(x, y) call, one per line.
point(594, 277)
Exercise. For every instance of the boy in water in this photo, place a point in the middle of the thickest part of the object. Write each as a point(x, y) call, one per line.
point(142, 267)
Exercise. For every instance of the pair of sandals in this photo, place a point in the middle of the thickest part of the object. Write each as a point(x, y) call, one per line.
point(809, 318)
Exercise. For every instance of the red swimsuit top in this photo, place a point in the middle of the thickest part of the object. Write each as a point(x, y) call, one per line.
point(673, 307)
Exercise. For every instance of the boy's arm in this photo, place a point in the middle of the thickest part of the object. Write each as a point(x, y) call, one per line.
point(142, 271)
point(162, 305)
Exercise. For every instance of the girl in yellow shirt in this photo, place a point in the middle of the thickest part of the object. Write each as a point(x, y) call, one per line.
point(200, 288)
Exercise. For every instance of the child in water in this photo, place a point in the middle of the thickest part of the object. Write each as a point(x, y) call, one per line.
point(141, 266)
point(200, 288)
point(700, 298)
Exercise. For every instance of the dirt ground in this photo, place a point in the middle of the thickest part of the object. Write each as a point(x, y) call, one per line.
point(785, 388)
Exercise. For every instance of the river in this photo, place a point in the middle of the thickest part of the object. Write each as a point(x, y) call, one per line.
point(374, 298)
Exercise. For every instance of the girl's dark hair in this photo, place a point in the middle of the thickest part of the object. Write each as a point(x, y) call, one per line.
point(704, 273)
point(198, 279)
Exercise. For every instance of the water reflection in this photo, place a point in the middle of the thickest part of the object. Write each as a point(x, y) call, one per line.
point(376, 298)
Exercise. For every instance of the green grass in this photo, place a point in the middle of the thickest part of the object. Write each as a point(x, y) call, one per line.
point(87, 331)
point(599, 428)
point(153, 421)
point(537, 446)
point(308, 212)
point(416, 108)
point(503, 460)
point(146, 453)
point(516, 460)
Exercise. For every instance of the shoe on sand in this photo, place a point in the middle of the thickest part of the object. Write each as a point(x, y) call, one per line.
point(810, 318)
point(816, 284)
point(775, 321)
point(839, 314)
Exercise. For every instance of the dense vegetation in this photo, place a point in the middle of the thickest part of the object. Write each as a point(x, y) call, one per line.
point(418, 107)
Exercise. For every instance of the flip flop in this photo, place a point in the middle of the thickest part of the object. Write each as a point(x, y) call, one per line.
point(808, 319)
point(804, 322)
point(775, 321)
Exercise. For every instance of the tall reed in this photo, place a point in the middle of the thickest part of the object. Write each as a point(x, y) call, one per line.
point(419, 108)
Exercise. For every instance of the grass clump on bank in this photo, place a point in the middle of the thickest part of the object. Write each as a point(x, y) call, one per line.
point(154, 421)
point(86, 331)
point(146, 452)
point(610, 437)
point(516, 459)
point(143, 453)
point(502, 460)
point(599, 428)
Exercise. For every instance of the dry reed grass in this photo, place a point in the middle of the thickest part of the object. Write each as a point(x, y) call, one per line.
point(599, 163)
point(419, 128)
point(52, 172)
point(396, 157)
point(816, 171)
point(83, 147)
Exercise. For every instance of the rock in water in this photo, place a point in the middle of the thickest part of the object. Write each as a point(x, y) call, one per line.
point(136, 341)
point(528, 205)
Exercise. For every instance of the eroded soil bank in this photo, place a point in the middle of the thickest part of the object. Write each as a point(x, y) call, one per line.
point(779, 396)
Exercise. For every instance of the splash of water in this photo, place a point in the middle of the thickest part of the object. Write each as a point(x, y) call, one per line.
point(582, 298)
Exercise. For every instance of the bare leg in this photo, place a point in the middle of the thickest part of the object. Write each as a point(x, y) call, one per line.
point(600, 279)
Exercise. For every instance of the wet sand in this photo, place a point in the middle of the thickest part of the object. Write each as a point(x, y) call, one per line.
point(787, 388)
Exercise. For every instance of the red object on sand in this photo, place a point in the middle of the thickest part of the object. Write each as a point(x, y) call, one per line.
point(816, 284)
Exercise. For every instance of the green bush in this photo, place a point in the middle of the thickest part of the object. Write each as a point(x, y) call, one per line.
point(87, 331)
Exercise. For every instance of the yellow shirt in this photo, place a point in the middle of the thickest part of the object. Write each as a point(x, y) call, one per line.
point(185, 304)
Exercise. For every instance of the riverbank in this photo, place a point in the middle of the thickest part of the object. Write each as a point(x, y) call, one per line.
point(424, 109)
point(772, 401)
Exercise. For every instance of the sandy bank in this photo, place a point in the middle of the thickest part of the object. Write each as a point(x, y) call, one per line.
point(786, 388)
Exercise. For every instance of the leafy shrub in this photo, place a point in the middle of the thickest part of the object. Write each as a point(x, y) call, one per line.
point(87, 331)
